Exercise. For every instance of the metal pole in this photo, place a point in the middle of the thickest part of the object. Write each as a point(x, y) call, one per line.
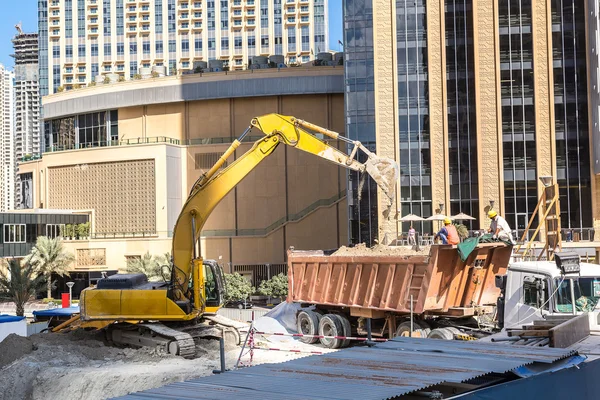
point(411, 316)
point(221, 354)
point(369, 335)
point(573, 297)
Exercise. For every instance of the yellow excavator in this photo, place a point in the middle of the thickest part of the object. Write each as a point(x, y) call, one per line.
point(172, 314)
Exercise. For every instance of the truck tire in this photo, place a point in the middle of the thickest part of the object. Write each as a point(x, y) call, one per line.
point(307, 323)
point(347, 329)
point(330, 325)
point(443, 333)
point(404, 329)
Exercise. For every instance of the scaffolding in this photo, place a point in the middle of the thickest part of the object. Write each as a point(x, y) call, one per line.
point(548, 207)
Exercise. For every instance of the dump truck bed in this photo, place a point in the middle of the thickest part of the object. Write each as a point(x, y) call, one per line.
point(438, 282)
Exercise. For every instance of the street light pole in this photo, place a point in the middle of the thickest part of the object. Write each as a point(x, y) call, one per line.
point(70, 285)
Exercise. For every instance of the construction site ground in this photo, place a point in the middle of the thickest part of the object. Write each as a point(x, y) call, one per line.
point(82, 364)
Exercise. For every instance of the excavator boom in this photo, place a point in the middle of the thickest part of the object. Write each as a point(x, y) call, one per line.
point(213, 186)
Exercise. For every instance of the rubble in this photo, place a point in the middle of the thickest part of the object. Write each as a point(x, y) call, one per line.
point(381, 250)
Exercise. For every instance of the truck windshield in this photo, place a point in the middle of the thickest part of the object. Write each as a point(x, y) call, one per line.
point(587, 294)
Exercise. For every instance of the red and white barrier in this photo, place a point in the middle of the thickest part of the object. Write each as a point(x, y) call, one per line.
point(361, 339)
point(288, 350)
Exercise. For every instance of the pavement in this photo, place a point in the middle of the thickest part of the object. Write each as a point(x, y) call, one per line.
point(10, 308)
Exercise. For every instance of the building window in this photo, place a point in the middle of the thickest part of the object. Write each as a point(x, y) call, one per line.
point(120, 49)
point(132, 47)
point(81, 50)
point(81, 18)
point(146, 48)
point(171, 8)
point(225, 44)
point(94, 49)
point(107, 68)
point(158, 15)
point(133, 67)
point(56, 52)
point(185, 64)
point(107, 49)
point(172, 46)
point(69, 51)
point(14, 233)
point(159, 47)
point(198, 45)
point(92, 130)
point(54, 231)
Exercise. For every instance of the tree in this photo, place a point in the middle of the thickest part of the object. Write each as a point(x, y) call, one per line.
point(238, 287)
point(106, 80)
point(277, 286)
point(93, 83)
point(60, 89)
point(121, 78)
point(149, 265)
point(19, 284)
point(137, 77)
point(155, 74)
point(48, 257)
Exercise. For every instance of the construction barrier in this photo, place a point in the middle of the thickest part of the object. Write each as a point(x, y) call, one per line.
point(361, 339)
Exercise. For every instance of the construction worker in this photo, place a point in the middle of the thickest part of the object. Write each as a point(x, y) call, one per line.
point(499, 227)
point(448, 233)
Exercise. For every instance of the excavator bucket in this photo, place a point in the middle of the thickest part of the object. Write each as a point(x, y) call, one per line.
point(384, 172)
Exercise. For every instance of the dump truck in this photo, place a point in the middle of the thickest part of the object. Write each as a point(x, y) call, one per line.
point(445, 295)
point(448, 298)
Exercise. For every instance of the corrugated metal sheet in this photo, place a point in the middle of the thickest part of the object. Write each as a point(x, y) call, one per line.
point(241, 315)
point(384, 371)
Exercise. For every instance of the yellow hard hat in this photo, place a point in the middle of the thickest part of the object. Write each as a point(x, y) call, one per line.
point(447, 221)
point(492, 213)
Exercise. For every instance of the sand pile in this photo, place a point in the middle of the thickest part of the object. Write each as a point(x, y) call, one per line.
point(14, 347)
point(380, 250)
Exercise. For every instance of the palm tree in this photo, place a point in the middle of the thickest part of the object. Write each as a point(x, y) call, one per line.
point(151, 266)
point(19, 284)
point(48, 257)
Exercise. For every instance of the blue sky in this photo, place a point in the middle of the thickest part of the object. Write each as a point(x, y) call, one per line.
point(25, 11)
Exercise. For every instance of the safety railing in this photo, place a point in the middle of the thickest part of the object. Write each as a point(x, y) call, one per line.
point(277, 224)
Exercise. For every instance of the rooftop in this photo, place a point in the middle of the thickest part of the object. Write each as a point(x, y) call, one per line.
point(202, 86)
point(387, 370)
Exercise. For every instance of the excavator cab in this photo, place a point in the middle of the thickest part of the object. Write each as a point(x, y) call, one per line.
point(214, 286)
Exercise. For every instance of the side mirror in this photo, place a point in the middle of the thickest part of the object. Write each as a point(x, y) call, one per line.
point(501, 282)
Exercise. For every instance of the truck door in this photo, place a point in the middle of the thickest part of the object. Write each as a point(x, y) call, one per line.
point(529, 299)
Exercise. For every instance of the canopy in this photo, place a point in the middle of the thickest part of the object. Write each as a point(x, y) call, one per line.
point(461, 217)
point(437, 217)
point(411, 217)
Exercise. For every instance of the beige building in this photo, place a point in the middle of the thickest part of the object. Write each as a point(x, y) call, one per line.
point(476, 100)
point(81, 40)
point(129, 153)
point(7, 139)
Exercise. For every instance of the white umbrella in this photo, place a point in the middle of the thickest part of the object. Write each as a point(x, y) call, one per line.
point(437, 217)
point(411, 217)
point(461, 217)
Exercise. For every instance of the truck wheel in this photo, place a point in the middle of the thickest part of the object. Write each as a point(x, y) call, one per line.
point(404, 329)
point(330, 325)
point(307, 323)
point(346, 327)
point(443, 333)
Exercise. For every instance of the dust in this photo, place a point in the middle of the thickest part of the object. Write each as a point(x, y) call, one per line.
point(381, 250)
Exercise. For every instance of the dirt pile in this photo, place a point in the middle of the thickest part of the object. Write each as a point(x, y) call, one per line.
point(380, 250)
point(14, 347)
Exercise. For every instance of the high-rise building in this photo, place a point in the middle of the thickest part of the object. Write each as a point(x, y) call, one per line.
point(82, 39)
point(476, 101)
point(27, 99)
point(7, 155)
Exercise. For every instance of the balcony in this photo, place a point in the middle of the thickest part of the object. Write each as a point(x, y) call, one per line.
point(54, 4)
point(68, 71)
point(93, 32)
point(131, 10)
point(197, 26)
point(237, 3)
point(93, 21)
point(184, 27)
point(94, 11)
point(92, 3)
point(132, 28)
point(54, 33)
point(304, 10)
point(145, 10)
point(145, 28)
point(197, 5)
point(196, 16)
point(304, 20)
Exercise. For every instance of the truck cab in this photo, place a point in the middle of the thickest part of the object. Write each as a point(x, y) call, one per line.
point(533, 289)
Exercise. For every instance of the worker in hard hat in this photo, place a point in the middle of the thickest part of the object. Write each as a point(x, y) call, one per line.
point(499, 227)
point(448, 233)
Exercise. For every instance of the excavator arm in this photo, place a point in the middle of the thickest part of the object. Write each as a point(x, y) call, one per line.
point(216, 183)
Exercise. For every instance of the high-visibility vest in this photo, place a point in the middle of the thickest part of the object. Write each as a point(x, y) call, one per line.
point(452, 235)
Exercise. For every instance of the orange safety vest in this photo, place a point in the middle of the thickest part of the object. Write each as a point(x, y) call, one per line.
point(452, 235)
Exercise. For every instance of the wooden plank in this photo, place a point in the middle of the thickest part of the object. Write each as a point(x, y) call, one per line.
point(543, 333)
point(545, 322)
point(538, 327)
point(570, 332)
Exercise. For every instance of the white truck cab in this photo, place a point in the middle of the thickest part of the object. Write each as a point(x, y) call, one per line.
point(532, 289)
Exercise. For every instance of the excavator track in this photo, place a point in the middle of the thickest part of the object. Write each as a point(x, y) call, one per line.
point(155, 335)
